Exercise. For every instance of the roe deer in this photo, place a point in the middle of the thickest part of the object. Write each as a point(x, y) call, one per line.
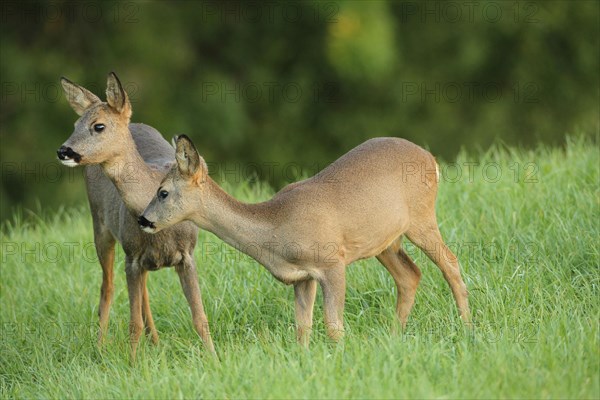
point(124, 165)
point(360, 206)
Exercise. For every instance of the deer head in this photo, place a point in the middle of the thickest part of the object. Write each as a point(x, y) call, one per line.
point(181, 193)
point(102, 127)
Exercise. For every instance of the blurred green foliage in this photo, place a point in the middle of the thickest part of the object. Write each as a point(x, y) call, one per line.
point(279, 82)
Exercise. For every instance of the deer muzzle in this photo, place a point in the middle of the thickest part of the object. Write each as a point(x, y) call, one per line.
point(147, 226)
point(67, 156)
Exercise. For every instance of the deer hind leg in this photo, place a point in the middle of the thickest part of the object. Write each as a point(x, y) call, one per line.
point(146, 311)
point(427, 237)
point(105, 248)
point(406, 276)
point(134, 287)
point(333, 284)
point(305, 293)
point(191, 290)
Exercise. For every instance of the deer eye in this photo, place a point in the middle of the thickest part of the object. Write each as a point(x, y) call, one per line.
point(99, 127)
point(162, 194)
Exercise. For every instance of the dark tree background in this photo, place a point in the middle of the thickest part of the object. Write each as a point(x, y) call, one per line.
point(260, 85)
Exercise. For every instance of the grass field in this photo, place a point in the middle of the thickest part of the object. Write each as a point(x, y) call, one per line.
point(524, 225)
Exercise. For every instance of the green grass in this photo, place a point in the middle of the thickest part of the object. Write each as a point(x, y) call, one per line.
point(528, 244)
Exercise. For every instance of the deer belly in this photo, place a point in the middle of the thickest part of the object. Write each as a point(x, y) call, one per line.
point(153, 260)
point(150, 264)
point(289, 274)
point(371, 243)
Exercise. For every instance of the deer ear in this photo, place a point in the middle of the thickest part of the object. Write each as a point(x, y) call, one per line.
point(116, 97)
point(78, 97)
point(189, 162)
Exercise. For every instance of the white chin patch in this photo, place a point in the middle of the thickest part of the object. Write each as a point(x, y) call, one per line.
point(147, 229)
point(69, 162)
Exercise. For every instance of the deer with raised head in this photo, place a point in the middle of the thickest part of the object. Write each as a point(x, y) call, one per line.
point(124, 164)
point(360, 206)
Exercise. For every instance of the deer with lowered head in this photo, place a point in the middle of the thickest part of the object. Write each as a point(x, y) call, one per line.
point(360, 206)
point(124, 164)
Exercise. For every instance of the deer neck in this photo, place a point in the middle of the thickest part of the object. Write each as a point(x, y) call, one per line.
point(246, 227)
point(133, 178)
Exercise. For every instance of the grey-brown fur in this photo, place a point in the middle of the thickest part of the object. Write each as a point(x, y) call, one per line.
point(360, 206)
point(123, 166)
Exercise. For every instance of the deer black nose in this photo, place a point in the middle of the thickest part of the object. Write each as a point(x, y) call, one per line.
point(144, 223)
point(66, 152)
point(62, 153)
